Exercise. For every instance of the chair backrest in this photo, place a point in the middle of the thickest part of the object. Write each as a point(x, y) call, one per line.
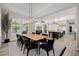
point(38, 32)
point(20, 38)
point(26, 40)
point(17, 36)
point(33, 33)
point(24, 32)
point(62, 51)
point(51, 42)
point(44, 34)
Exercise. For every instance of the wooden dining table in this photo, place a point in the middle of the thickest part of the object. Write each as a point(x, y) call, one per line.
point(36, 37)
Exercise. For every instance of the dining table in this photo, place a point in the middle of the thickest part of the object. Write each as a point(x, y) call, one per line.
point(37, 38)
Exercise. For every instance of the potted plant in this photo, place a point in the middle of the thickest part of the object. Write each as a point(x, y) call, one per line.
point(5, 26)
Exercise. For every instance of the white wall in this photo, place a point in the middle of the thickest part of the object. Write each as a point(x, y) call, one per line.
point(0, 29)
point(31, 27)
point(77, 25)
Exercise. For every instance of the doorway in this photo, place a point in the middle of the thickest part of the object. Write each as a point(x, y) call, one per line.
point(70, 29)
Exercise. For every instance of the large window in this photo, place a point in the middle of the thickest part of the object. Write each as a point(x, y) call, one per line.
point(15, 26)
point(25, 27)
point(19, 25)
point(38, 27)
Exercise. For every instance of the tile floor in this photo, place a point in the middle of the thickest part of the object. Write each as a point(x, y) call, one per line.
point(11, 48)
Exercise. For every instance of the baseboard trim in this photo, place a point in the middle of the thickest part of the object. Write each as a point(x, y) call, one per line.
point(13, 40)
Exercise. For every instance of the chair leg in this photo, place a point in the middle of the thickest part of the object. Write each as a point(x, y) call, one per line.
point(24, 50)
point(18, 43)
point(37, 50)
point(47, 53)
point(53, 52)
point(27, 52)
point(21, 47)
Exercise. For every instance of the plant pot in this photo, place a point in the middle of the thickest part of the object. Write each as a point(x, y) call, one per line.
point(7, 40)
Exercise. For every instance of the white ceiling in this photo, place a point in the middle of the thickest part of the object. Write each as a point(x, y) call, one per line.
point(38, 9)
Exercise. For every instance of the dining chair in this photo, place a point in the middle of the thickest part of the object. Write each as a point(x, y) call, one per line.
point(43, 40)
point(21, 41)
point(38, 32)
point(48, 46)
point(28, 45)
point(33, 33)
point(24, 32)
point(18, 40)
point(44, 34)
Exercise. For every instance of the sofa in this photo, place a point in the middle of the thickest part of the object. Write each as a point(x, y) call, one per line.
point(57, 35)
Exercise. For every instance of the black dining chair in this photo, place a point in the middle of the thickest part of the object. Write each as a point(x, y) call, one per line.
point(38, 32)
point(33, 33)
point(21, 41)
point(18, 40)
point(48, 46)
point(43, 40)
point(24, 32)
point(28, 45)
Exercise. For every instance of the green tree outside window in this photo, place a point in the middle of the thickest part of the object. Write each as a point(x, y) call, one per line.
point(26, 27)
point(15, 26)
point(39, 29)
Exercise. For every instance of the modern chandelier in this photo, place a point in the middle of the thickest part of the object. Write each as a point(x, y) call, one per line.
point(30, 10)
point(30, 17)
